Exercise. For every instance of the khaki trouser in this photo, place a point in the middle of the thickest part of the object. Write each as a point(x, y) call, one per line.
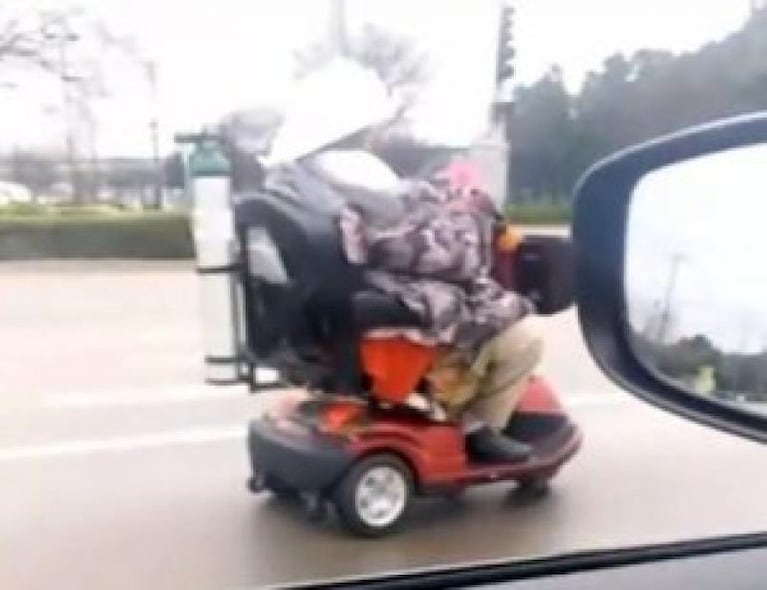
point(490, 388)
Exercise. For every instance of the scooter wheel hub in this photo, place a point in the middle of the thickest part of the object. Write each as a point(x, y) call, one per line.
point(381, 496)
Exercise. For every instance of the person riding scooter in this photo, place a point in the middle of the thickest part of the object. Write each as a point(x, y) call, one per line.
point(437, 261)
point(429, 248)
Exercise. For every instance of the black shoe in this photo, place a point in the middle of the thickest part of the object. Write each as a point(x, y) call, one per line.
point(487, 446)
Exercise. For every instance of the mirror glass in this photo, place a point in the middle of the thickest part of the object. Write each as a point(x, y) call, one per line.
point(696, 277)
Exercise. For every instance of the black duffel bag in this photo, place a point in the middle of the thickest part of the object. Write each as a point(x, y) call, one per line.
point(543, 270)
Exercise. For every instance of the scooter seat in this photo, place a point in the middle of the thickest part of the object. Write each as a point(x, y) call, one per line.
point(321, 303)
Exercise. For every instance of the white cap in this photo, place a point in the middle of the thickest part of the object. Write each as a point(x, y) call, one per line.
point(332, 103)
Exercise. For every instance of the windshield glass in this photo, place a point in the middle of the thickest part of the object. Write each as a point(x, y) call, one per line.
point(298, 198)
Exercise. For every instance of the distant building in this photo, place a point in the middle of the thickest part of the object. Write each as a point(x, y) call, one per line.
point(122, 180)
point(14, 193)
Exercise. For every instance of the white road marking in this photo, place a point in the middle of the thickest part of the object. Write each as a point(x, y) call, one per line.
point(588, 400)
point(124, 443)
point(173, 395)
point(149, 396)
point(141, 397)
point(201, 435)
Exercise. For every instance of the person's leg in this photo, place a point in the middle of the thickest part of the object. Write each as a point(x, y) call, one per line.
point(515, 354)
point(513, 357)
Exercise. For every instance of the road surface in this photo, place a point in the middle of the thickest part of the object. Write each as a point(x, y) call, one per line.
point(119, 470)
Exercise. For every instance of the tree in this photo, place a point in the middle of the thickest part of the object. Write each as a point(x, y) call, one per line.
point(29, 39)
point(69, 45)
point(33, 170)
point(542, 138)
point(631, 99)
point(133, 179)
point(401, 67)
point(42, 40)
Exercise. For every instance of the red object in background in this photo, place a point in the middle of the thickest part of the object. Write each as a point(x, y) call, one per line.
point(395, 365)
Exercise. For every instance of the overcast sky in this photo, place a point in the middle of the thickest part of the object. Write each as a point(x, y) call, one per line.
point(214, 57)
point(708, 214)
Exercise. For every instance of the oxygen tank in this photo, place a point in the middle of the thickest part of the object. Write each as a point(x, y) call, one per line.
point(216, 252)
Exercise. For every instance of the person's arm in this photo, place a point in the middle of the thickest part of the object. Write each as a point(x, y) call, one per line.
point(443, 246)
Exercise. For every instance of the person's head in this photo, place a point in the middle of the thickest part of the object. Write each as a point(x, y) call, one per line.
point(343, 103)
point(473, 201)
point(466, 188)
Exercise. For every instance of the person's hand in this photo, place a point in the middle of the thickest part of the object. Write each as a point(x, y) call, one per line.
point(509, 240)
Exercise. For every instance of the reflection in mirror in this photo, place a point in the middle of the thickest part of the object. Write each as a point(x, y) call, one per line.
point(696, 275)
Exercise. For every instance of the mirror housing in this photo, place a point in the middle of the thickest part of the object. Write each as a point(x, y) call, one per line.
point(602, 205)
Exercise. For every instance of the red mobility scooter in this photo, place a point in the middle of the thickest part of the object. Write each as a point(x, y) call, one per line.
point(366, 455)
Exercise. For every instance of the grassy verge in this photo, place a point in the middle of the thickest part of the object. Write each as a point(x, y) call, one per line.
point(94, 235)
point(33, 232)
point(540, 213)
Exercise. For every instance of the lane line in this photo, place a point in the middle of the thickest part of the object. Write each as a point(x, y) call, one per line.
point(148, 396)
point(196, 436)
point(589, 400)
point(124, 443)
point(141, 397)
point(186, 394)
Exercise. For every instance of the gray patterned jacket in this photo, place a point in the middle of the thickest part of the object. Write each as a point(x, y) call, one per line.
point(437, 261)
point(434, 259)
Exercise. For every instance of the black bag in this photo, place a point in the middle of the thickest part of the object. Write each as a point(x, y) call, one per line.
point(544, 272)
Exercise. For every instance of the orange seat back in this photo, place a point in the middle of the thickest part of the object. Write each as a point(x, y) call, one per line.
point(395, 366)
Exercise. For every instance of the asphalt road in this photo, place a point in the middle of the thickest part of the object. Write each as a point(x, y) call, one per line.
point(119, 470)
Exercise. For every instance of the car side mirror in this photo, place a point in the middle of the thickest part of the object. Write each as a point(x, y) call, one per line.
point(671, 284)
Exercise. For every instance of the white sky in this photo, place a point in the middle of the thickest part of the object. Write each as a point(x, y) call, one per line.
point(214, 57)
point(710, 212)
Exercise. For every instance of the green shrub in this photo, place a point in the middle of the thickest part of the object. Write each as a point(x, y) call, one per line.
point(540, 213)
point(35, 232)
point(20, 209)
point(89, 236)
point(36, 210)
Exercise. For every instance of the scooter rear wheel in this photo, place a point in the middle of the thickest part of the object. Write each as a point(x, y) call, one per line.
point(535, 487)
point(265, 483)
point(374, 496)
point(281, 491)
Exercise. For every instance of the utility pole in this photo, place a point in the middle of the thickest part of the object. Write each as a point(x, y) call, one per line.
point(154, 135)
point(504, 65)
point(337, 27)
point(64, 38)
point(676, 263)
point(90, 182)
point(493, 151)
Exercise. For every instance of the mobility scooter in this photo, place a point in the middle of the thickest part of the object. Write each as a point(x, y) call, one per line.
point(277, 293)
point(365, 452)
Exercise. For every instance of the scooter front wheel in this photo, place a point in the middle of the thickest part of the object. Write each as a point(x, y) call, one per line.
point(374, 496)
